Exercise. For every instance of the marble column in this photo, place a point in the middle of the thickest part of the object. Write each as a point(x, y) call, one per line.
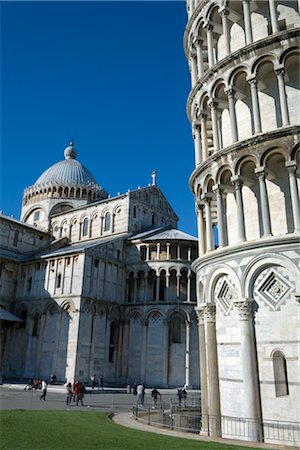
point(210, 44)
point(148, 252)
point(226, 32)
point(165, 362)
point(273, 15)
point(188, 287)
point(250, 404)
point(167, 286)
point(168, 251)
point(199, 50)
point(214, 119)
point(193, 66)
point(282, 96)
point(214, 421)
point(221, 216)
point(197, 144)
point(264, 201)
point(40, 345)
point(201, 229)
point(247, 21)
point(144, 350)
point(292, 167)
point(203, 117)
point(158, 251)
point(209, 228)
point(203, 370)
point(255, 104)
point(238, 184)
point(233, 123)
point(187, 353)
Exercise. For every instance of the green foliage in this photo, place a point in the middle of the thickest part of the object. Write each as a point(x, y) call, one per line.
point(62, 430)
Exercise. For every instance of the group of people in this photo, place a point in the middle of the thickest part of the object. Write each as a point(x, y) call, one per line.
point(139, 390)
point(75, 393)
point(100, 381)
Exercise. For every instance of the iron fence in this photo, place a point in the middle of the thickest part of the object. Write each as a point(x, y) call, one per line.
point(189, 419)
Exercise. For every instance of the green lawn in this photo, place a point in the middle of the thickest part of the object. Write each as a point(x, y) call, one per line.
point(60, 430)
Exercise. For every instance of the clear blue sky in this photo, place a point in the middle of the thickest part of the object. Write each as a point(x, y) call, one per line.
point(113, 76)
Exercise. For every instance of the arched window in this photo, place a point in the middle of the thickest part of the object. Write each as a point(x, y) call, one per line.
point(280, 374)
point(107, 222)
point(85, 227)
point(113, 342)
point(58, 280)
point(134, 212)
point(176, 330)
point(23, 317)
point(35, 325)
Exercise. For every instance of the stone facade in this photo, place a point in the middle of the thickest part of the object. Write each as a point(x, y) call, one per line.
point(244, 112)
point(102, 284)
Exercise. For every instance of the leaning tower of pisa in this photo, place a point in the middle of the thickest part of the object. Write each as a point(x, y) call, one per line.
point(244, 108)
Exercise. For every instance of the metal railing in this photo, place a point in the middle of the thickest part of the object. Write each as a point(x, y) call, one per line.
point(188, 418)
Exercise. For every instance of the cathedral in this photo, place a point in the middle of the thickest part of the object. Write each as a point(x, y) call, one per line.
point(244, 111)
point(94, 284)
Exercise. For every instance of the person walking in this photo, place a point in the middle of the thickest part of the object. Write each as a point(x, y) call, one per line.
point(154, 395)
point(140, 394)
point(69, 393)
point(80, 394)
point(101, 381)
point(44, 390)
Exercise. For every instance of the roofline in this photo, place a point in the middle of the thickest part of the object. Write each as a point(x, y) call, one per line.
point(24, 224)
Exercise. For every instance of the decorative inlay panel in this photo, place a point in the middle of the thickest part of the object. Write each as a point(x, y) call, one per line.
point(273, 288)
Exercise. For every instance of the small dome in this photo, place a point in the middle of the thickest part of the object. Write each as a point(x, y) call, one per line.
point(68, 172)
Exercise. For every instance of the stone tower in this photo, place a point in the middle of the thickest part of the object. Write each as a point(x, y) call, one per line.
point(244, 111)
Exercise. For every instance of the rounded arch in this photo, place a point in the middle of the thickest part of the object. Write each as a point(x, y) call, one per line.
point(154, 312)
point(237, 71)
point(68, 305)
point(258, 62)
point(214, 275)
point(33, 209)
point(134, 314)
point(295, 150)
point(287, 53)
point(271, 152)
point(240, 163)
point(60, 207)
point(224, 173)
point(260, 263)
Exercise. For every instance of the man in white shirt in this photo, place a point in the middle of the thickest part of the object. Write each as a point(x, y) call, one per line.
point(44, 390)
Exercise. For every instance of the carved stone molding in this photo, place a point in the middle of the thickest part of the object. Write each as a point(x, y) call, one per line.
point(244, 308)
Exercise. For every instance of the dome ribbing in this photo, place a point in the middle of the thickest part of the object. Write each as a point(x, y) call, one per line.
point(68, 172)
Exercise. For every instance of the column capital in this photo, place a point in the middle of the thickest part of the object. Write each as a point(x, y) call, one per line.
point(224, 11)
point(291, 167)
point(260, 172)
point(218, 188)
point(244, 307)
point(202, 114)
point(200, 315)
point(252, 80)
point(237, 181)
point(280, 71)
point(212, 103)
point(210, 313)
point(229, 91)
point(208, 26)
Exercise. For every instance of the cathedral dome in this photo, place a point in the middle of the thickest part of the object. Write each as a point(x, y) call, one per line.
point(68, 172)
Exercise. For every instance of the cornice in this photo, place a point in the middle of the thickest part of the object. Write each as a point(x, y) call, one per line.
point(250, 142)
point(244, 51)
point(222, 255)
